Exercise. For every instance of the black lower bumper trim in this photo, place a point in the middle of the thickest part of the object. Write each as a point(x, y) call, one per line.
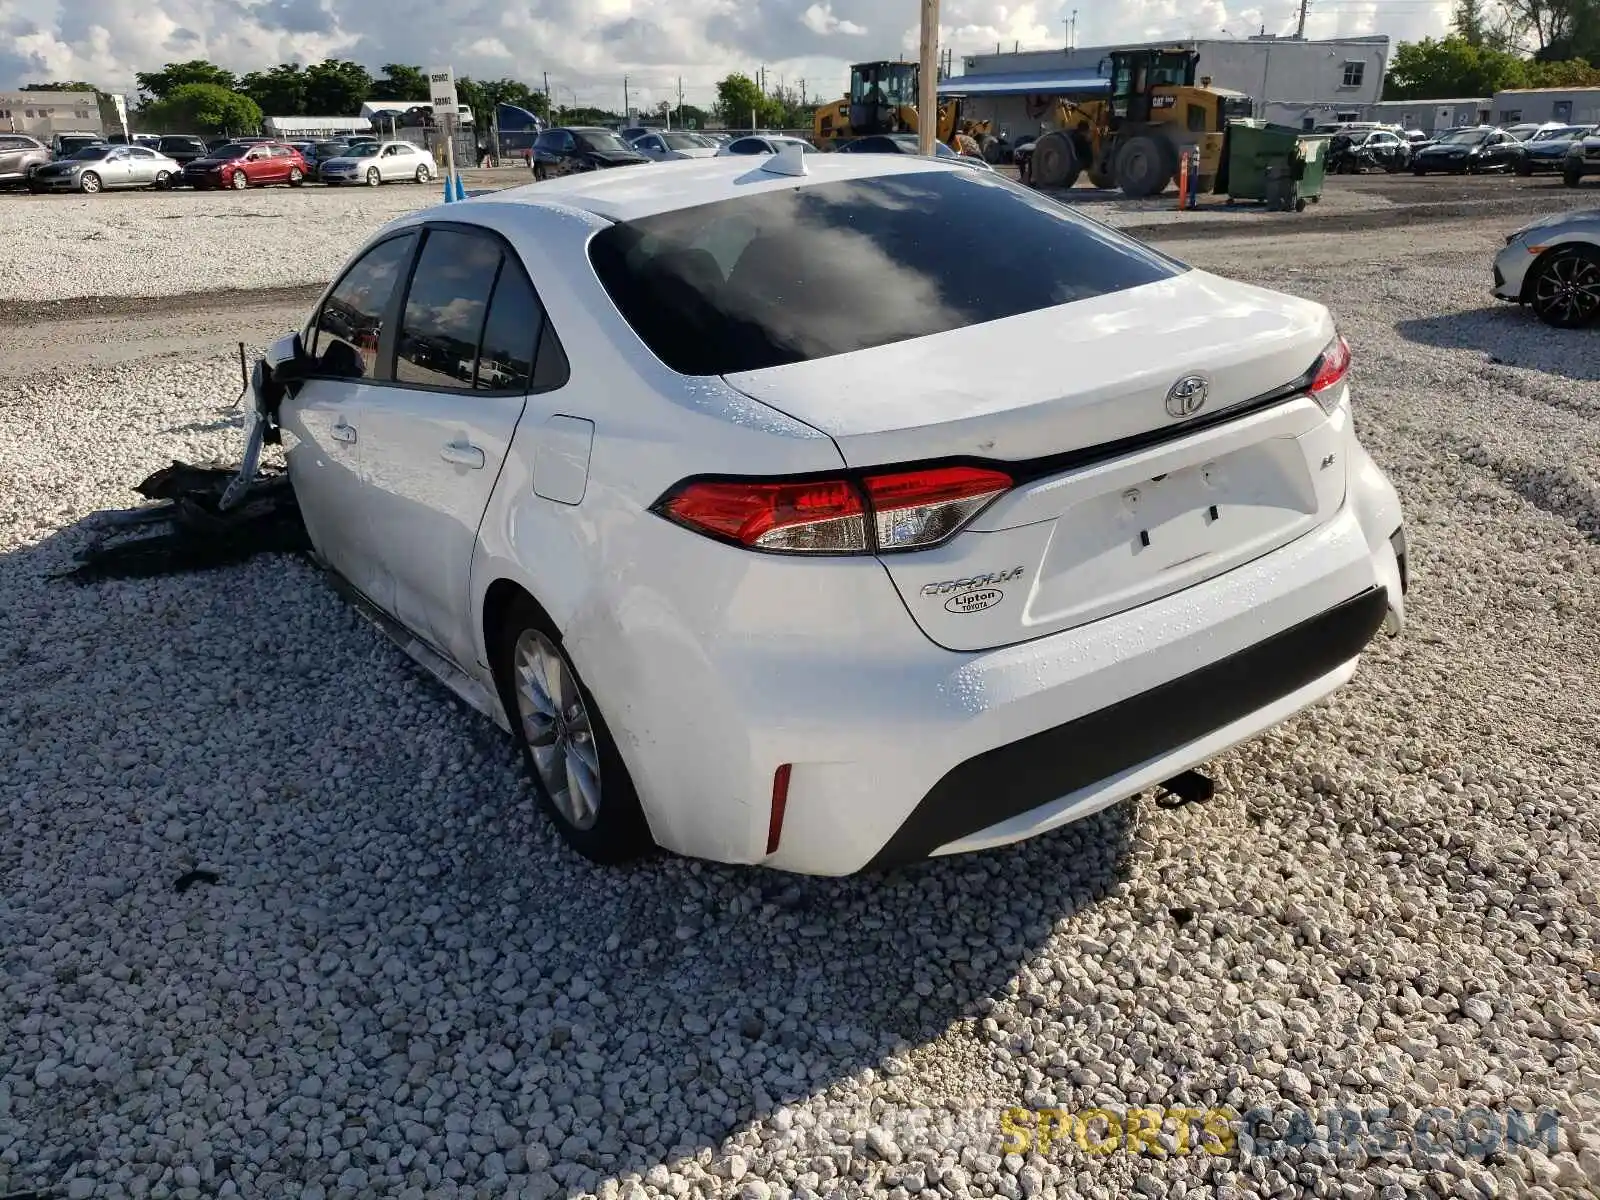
point(1010, 780)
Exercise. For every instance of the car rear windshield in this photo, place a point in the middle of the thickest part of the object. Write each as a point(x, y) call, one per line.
point(803, 273)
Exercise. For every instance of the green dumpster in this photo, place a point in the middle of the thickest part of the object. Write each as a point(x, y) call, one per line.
point(1276, 165)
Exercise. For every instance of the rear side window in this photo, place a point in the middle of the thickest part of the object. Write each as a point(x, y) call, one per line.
point(353, 312)
point(511, 334)
point(803, 273)
point(445, 309)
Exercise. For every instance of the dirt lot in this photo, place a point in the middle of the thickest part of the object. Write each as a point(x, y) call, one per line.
point(399, 984)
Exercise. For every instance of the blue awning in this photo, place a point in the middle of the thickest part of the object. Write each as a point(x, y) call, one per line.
point(1023, 83)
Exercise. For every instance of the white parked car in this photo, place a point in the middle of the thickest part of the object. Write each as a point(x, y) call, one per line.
point(1553, 266)
point(717, 497)
point(764, 143)
point(391, 162)
point(666, 145)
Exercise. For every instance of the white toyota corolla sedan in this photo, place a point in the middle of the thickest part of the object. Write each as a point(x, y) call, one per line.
point(786, 514)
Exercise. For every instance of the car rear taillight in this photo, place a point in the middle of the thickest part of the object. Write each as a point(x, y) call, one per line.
point(1329, 373)
point(902, 510)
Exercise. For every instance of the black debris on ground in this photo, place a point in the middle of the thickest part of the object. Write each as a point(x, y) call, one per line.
point(185, 529)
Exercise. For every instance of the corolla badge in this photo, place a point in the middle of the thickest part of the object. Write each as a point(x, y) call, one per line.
point(1187, 396)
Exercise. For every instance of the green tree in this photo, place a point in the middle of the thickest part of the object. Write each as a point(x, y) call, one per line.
point(401, 82)
point(280, 92)
point(159, 85)
point(76, 86)
point(336, 88)
point(739, 95)
point(204, 108)
point(1468, 23)
point(1574, 73)
point(1451, 67)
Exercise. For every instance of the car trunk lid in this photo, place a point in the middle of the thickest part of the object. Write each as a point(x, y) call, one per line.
point(1118, 501)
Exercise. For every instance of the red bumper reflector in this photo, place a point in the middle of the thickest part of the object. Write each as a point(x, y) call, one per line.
point(780, 800)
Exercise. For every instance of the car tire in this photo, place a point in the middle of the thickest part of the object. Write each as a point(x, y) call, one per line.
point(1571, 178)
point(1563, 287)
point(540, 174)
point(373, 178)
point(423, 174)
point(88, 183)
point(297, 177)
point(535, 678)
point(1524, 170)
point(238, 181)
point(163, 180)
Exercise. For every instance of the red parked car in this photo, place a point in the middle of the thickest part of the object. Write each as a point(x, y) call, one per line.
point(241, 165)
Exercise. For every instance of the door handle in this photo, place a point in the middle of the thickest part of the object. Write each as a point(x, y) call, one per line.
point(462, 454)
point(344, 433)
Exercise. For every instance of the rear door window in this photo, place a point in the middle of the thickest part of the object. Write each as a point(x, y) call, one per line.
point(510, 334)
point(354, 311)
point(445, 308)
point(789, 275)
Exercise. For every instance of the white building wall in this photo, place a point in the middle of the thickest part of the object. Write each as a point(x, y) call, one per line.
point(1292, 82)
point(1573, 106)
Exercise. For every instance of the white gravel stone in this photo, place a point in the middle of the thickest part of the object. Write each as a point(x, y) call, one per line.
point(402, 985)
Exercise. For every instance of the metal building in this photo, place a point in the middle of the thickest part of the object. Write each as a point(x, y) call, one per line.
point(44, 114)
point(1570, 106)
point(1293, 81)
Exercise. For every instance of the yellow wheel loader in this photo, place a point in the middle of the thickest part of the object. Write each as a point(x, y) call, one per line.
point(883, 99)
point(1132, 139)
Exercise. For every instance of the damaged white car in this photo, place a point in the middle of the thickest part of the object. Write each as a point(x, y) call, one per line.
point(719, 498)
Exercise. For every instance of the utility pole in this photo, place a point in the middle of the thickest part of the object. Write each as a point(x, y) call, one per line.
point(1066, 34)
point(625, 99)
point(1300, 29)
point(680, 101)
point(802, 92)
point(549, 113)
point(928, 79)
point(1072, 39)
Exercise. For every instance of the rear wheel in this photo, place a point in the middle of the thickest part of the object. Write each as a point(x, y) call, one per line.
point(89, 182)
point(1144, 167)
point(240, 181)
point(1055, 162)
point(1564, 288)
point(577, 772)
point(539, 173)
point(163, 179)
point(373, 178)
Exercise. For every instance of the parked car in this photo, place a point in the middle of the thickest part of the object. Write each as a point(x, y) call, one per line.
point(906, 143)
point(241, 165)
point(1583, 158)
point(1527, 129)
point(764, 143)
point(633, 133)
point(389, 162)
point(103, 167)
point(331, 148)
point(1467, 151)
point(714, 500)
point(1368, 149)
point(182, 148)
point(663, 145)
point(65, 145)
point(570, 149)
point(1553, 266)
point(1547, 149)
point(20, 156)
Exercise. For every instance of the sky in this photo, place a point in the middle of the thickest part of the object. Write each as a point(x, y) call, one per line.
point(591, 47)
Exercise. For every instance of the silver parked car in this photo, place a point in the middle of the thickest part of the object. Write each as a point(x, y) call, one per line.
point(390, 162)
point(1553, 266)
point(97, 168)
point(20, 157)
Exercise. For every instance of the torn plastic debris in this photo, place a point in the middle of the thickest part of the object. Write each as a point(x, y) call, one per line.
point(188, 530)
point(206, 516)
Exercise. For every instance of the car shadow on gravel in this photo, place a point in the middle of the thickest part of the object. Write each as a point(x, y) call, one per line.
point(394, 938)
point(1511, 336)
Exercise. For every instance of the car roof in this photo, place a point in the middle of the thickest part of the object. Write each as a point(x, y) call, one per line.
point(627, 195)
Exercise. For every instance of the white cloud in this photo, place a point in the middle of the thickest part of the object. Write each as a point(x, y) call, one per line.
point(819, 19)
point(588, 47)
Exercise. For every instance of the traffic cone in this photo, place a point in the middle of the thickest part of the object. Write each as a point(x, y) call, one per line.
point(461, 191)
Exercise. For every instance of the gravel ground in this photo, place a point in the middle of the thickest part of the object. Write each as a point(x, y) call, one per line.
point(401, 985)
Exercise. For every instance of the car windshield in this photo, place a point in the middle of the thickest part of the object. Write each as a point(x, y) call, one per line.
point(1464, 137)
point(89, 152)
point(684, 141)
point(1552, 135)
point(180, 143)
point(329, 148)
point(231, 150)
point(802, 273)
point(600, 139)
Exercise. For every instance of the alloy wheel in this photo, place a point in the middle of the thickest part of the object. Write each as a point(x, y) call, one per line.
point(558, 728)
point(423, 174)
point(90, 182)
point(1566, 290)
point(239, 181)
point(373, 178)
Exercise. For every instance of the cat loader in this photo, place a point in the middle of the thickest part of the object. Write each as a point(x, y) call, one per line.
point(883, 99)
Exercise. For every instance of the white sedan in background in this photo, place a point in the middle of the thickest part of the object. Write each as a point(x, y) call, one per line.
point(712, 496)
point(764, 143)
point(391, 162)
point(668, 145)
